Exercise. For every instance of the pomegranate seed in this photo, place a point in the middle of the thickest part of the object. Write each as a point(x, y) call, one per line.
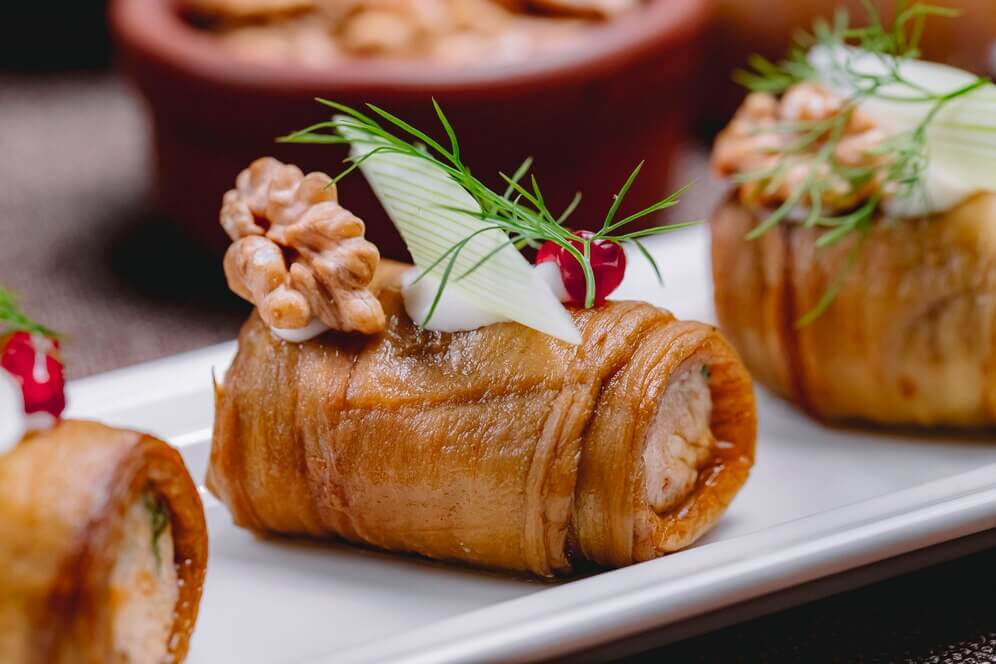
point(608, 262)
point(33, 361)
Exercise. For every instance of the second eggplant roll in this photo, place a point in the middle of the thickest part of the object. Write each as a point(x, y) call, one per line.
point(910, 337)
point(103, 548)
point(499, 447)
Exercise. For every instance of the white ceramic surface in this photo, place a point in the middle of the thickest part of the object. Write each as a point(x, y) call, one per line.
point(820, 501)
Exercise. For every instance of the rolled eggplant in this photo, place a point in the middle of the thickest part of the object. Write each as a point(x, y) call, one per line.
point(910, 337)
point(498, 447)
point(103, 548)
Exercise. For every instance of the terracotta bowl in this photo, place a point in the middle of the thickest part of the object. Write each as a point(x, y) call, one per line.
point(587, 116)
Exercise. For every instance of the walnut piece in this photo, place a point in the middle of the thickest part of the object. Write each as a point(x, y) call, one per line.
point(756, 138)
point(296, 253)
point(302, 40)
point(378, 31)
point(322, 33)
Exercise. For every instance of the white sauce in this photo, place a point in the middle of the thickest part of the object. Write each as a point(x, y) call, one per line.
point(39, 420)
point(938, 192)
point(301, 334)
point(13, 421)
point(455, 312)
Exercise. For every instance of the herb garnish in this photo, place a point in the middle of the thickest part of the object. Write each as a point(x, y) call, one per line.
point(159, 517)
point(520, 211)
point(902, 158)
point(13, 319)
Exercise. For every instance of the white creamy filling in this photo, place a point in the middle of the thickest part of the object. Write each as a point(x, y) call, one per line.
point(679, 441)
point(301, 334)
point(455, 312)
point(13, 421)
point(144, 588)
point(936, 193)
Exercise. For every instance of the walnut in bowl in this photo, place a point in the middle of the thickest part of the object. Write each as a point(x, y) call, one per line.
point(315, 33)
point(587, 114)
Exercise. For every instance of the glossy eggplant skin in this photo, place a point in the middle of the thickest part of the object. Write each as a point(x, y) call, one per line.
point(910, 338)
point(499, 447)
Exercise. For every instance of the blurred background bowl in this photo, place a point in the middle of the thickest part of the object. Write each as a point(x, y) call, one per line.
point(587, 115)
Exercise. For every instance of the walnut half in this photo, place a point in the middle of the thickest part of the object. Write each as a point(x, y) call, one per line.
point(296, 253)
point(762, 130)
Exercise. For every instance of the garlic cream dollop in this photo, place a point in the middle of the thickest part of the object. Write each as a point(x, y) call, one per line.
point(301, 334)
point(936, 193)
point(455, 312)
point(13, 421)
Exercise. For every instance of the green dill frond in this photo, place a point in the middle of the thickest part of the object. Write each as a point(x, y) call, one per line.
point(520, 210)
point(159, 520)
point(12, 319)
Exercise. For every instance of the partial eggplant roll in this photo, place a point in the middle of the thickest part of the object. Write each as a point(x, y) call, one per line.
point(910, 337)
point(499, 447)
point(103, 548)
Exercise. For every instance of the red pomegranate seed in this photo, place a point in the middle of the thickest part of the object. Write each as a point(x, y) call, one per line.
point(33, 361)
point(608, 262)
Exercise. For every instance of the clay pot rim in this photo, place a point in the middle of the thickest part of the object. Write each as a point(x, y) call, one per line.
point(155, 30)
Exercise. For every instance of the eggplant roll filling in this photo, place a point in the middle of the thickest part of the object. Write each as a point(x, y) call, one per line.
point(144, 584)
point(680, 441)
point(103, 548)
point(498, 447)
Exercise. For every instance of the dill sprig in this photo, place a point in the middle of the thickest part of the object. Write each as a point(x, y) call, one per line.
point(520, 211)
point(159, 520)
point(902, 159)
point(12, 319)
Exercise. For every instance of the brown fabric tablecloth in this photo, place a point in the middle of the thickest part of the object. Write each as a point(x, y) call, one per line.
point(81, 246)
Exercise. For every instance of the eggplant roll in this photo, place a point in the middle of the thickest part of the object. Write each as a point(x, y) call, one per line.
point(910, 337)
point(499, 447)
point(103, 548)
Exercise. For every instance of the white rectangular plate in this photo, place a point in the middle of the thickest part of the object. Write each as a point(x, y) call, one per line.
point(820, 501)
